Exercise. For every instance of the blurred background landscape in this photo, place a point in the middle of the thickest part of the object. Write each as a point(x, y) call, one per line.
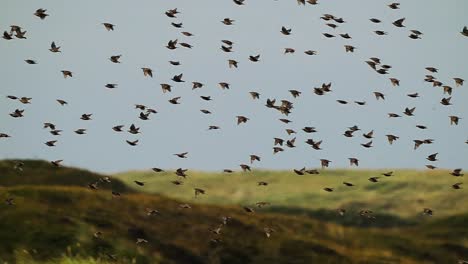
point(55, 217)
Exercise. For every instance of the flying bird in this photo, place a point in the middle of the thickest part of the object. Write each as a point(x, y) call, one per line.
point(175, 100)
point(86, 117)
point(132, 130)
point(379, 95)
point(172, 13)
point(285, 31)
point(388, 174)
point(464, 31)
point(245, 167)
point(409, 111)
point(232, 63)
point(178, 78)
point(115, 58)
point(67, 74)
point(391, 138)
point(428, 211)
point(51, 143)
point(254, 158)
point(56, 163)
point(394, 5)
point(456, 173)
point(310, 52)
point(432, 157)
point(458, 81)
point(227, 21)
point(109, 26)
point(239, 2)
point(132, 143)
point(254, 58)
point(7, 36)
point(196, 85)
point(147, 72)
point(353, 161)
point(349, 48)
point(118, 128)
point(171, 44)
point(80, 131)
point(199, 191)
point(182, 155)
point(242, 119)
point(454, 120)
point(374, 179)
point(254, 95)
point(325, 163)
point(399, 22)
point(41, 13)
point(54, 48)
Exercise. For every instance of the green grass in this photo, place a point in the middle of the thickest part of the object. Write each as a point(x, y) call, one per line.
point(405, 194)
point(55, 216)
point(26, 257)
point(37, 172)
point(55, 229)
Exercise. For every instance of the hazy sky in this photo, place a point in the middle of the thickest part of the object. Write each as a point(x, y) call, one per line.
point(141, 33)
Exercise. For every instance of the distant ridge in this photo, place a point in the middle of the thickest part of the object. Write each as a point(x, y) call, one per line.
point(40, 172)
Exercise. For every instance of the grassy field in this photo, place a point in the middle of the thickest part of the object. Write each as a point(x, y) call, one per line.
point(405, 194)
point(37, 172)
point(57, 223)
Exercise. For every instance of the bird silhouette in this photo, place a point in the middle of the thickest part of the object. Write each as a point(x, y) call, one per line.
point(109, 26)
point(182, 155)
point(399, 22)
point(286, 31)
point(464, 31)
point(132, 143)
point(147, 72)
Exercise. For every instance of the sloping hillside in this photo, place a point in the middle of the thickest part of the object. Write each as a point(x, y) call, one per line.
point(404, 194)
point(49, 222)
point(50, 215)
point(38, 172)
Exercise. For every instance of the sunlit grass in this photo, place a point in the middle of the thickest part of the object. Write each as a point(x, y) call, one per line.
point(52, 223)
point(68, 257)
point(404, 194)
point(56, 225)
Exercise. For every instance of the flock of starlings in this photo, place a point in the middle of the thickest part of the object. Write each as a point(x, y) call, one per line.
point(285, 107)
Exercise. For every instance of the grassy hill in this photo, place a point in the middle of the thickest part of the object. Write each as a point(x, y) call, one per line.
point(39, 172)
point(54, 217)
point(57, 224)
point(405, 194)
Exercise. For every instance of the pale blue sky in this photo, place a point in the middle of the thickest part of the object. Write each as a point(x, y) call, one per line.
point(142, 30)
